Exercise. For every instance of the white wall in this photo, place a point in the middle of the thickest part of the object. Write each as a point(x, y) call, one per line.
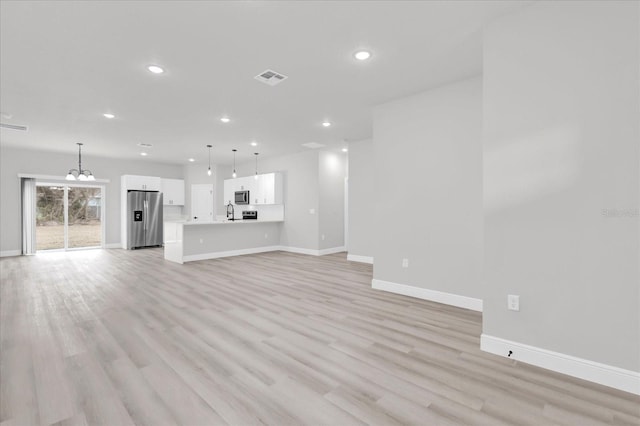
point(561, 150)
point(14, 161)
point(428, 189)
point(361, 199)
point(332, 173)
point(301, 181)
point(312, 180)
point(197, 174)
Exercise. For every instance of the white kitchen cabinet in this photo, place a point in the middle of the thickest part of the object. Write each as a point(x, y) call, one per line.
point(266, 189)
point(172, 192)
point(141, 183)
point(244, 183)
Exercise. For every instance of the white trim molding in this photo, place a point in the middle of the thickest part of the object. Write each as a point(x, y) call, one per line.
point(255, 250)
point(311, 252)
point(331, 250)
point(358, 258)
point(298, 250)
point(9, 253)
point(53, 178)
point(229, 253)
point(426, 294)
point(618, 378)
point(113, 246)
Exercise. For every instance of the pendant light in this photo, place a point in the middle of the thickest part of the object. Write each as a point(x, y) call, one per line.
point(79, 173)
point(209, 169)
point(234, 163)
point(256, 176)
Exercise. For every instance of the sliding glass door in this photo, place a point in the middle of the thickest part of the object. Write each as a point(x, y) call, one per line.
point(50, 212)
point(69, 217)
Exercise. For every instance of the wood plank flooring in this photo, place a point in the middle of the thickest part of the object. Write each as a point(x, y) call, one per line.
point(114, 337)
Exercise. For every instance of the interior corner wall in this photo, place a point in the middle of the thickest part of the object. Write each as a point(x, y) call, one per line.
point(361, 199)
point(301, 195)
point(427, 155)
point(561, 179)
point(197, 174)
point(15, 160)
point(332, 172)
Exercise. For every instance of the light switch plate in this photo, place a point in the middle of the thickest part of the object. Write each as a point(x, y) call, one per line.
point(513, 302)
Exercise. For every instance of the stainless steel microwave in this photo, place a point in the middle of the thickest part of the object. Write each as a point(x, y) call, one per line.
point(242, 197)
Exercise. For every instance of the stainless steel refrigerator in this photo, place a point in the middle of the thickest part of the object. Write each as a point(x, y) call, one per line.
point(144, 219)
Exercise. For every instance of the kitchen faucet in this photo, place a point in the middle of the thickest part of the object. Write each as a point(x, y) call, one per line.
point(230, 211)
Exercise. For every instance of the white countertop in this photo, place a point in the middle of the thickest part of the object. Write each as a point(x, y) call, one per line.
point(224, 222)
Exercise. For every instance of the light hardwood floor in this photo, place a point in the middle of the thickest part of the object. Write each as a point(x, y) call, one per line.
point(114, 337)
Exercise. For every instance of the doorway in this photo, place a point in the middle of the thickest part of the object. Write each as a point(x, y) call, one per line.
point(69, 217)
point(202, 202)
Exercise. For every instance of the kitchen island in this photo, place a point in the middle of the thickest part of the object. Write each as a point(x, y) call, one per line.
point(187, 241)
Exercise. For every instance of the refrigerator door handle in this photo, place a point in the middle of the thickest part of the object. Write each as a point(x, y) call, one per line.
point(144, 214)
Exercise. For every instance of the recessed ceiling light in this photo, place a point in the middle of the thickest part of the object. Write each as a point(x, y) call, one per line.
point(254, 143)
point(155, 69)
point(146, 145)
point(108, 115)
point(345, 150)
point(362, 55)
point(225, 119)
point(326, 123)
point(192, 160)
point(144, 154)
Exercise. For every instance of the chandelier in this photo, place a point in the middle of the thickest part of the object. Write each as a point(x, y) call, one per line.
point(79, 173)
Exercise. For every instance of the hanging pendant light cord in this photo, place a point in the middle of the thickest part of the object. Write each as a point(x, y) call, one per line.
point(80, 158)
point(234, 162)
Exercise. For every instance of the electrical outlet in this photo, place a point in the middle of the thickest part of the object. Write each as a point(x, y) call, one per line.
point(322, 236)
point(312, 211)
point(266, 236)
point(201, 241)
point(405, 263)
point(513, 302)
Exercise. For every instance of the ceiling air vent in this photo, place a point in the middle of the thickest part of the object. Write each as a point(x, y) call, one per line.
point(313, 145)
point(13, 127)
point(271, 77)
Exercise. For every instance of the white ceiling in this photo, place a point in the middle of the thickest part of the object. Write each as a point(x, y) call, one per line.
point(64, 64)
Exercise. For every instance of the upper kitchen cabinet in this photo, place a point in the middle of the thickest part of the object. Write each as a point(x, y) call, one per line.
point(141, 183)
point(172, 192)
point(266, 189)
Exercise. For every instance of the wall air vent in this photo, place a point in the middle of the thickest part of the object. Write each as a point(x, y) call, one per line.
point(13, 127)
point(271, 77)
point(313, 145)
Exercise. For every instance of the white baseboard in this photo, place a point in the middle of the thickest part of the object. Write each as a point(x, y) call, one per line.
point(618, 378)
point(9, 253)
point(299, 250)
point(311, 252)
point(229, 253)
point(426, 294)
point(358, 258)
point(113, 246)
point(331, 250)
